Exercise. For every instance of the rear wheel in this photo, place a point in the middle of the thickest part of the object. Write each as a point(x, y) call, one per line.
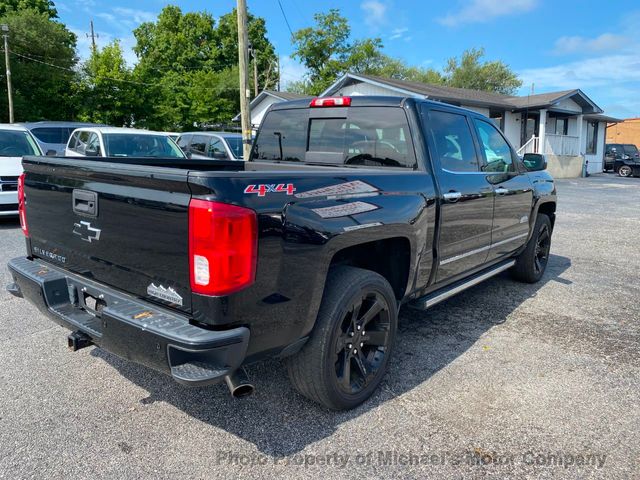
point(347, 355)
point(532, 262)
point(625, 171)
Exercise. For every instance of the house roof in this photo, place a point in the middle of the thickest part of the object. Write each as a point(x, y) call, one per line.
point(282, 96)
point(465, 96)
point(603, 118)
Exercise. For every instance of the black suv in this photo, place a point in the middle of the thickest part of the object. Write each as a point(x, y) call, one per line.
point(622, 158)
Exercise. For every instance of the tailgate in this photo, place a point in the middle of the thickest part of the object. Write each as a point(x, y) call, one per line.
point(123, 225)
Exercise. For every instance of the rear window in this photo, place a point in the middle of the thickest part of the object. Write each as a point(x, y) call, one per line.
point(371, 136)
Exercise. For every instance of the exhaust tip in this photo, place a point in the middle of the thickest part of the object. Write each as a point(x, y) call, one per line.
point(239, 384)
point(243, 391)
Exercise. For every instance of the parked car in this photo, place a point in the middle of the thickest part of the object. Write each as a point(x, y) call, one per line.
point(15, 143)
point(305, 252)
point(218, 145)
point(619, 154)
point(53, 136)
point(121, 142)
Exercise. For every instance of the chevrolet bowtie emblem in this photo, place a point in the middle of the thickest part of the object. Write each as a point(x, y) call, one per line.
point(86, 232)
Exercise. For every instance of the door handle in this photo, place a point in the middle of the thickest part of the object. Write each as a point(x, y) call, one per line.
point(501, 191)
point(452, 197)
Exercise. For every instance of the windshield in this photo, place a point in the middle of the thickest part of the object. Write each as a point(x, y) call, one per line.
point(17, 144)
point(140, 145)
point(235, 144)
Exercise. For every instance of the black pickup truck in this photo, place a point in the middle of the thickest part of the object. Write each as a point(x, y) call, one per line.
point(347, 209)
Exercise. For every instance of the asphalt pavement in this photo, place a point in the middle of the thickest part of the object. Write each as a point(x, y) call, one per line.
point(504, 380)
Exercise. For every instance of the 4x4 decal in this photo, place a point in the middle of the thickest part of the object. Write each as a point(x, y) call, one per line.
point(263, 189)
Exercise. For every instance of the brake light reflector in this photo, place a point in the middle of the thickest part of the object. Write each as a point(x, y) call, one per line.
point(21, 206)
point(223, 245)
point(331, 102)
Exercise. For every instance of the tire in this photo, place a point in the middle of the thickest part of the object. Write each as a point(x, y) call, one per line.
point(625, 171)
point(532, 262)
point(340, 343)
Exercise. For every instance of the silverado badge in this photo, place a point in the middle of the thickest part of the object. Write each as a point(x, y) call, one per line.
point(166, 294)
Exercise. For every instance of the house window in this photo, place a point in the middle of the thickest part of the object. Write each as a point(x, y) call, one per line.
point(562, 125)
point(592, 137)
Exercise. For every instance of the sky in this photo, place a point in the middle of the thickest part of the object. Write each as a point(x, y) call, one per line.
point(551, 44)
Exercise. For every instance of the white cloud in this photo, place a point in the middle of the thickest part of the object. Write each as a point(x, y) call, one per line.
point(375, 11)
point(135, 15)
point(398, 33)
point(290, 71)
point(601, 43)
point(590, 72)
point(477, 11)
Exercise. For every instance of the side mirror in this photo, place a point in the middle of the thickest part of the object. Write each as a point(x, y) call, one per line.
point(535, 162)
point(220, 156)
point(188, 154)
point(51, 153)
point(91, 152)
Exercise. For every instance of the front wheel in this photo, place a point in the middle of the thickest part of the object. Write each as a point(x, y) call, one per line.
point(625, 171)
point(347, 355)
point(532, 262)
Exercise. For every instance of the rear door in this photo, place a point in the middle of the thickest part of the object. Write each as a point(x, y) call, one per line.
point(512, 187)
point(120, 224)
point(466, 214)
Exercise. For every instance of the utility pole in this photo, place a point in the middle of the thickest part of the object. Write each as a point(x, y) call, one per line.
point(278, 72)
point(93, 36)
point(243, 41)
point(5, 34)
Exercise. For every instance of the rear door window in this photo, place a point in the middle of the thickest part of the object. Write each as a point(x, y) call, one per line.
point(451, 136)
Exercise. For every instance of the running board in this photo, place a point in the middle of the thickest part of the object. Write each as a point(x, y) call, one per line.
point(449, 291)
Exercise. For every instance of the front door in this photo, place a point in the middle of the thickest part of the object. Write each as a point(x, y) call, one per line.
point(530, 127)
point(513, 190)
point(466, 196)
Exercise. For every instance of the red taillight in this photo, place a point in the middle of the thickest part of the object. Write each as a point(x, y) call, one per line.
point(331, 102)
point(21, 206)
point(222, 247)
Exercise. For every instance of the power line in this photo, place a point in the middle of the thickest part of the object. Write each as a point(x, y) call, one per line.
point(285, 18)
point(27, 57)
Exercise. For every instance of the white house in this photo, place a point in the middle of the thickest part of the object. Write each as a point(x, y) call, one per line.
point(567, 126)
point(259, 105)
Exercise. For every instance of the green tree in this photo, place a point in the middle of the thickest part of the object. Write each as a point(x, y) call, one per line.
point(227, 53)
point(42, 61)
point(109, 94)
point(327, 52)
point(471, 72)
point(41, 6)
point(189, 62)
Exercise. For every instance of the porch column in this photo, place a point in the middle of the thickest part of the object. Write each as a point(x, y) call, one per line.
point(542, 131)
point(582, 143)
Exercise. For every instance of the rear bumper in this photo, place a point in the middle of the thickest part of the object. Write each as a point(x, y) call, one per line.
point(128, 327)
